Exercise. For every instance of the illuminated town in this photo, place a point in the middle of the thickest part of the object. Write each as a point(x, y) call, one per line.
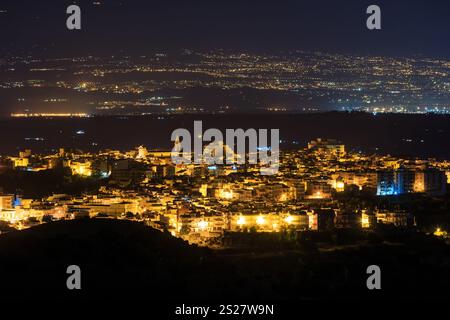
point(207, 204)
point(204, 158)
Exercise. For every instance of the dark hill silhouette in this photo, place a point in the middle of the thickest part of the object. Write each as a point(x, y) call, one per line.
point(117, 259)
point(128, 260)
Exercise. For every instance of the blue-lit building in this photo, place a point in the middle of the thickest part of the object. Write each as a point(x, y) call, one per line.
point(404, 181)
point(386, 183)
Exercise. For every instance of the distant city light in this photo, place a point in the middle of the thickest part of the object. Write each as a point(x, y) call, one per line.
point(50, 115)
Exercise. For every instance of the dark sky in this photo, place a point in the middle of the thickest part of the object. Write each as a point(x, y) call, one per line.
point(409, 27)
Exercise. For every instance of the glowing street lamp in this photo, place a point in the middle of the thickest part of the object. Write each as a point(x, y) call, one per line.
point(241, 221)
point(260, 220)
point(289, 219)
point(202, 225)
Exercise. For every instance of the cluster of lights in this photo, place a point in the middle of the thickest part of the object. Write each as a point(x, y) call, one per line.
point(56, 115)
point(261, 220)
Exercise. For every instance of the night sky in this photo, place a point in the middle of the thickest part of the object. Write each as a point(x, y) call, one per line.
point(409, 27)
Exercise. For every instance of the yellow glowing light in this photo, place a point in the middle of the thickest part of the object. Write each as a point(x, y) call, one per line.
point(419, 187)
point(289, 219)
point(260, 220)
point(318, 195)
point(283, 197)
point(340, 186)
point(202, 225)
point(226, 194)
point(241, 221)
point(35, 115)
point(440, 233)
point(365, 223)
point(82, 169)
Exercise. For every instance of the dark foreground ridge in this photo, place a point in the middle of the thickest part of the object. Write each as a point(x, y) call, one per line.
point(128, 260)
point(117, 258)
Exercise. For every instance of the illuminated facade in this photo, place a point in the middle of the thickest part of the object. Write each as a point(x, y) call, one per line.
point(327, 146)
point(81, 168)
point(430, 181)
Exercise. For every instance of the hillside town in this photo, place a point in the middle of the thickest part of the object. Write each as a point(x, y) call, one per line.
point(319, 187)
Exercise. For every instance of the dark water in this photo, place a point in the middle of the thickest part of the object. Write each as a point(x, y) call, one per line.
point(406, 135)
